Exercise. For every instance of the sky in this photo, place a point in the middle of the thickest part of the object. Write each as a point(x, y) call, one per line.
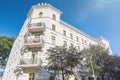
point(94, 17)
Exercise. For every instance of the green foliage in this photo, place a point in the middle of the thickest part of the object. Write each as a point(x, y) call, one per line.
point(96, 55)
point(112, 67)
point(63, 60)
point(5, 48)
point(103, 63)
point(75, 78)
point(51, 78)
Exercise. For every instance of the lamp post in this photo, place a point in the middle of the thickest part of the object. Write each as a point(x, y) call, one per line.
point(93, 72)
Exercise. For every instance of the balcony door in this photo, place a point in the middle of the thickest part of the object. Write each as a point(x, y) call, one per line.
point(37, 38)
point(34, 57)
point(31, 76)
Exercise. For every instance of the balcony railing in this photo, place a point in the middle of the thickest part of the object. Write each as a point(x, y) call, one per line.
point(36, 27)
point(32, 41)
point(36, 61)
point(30, 65)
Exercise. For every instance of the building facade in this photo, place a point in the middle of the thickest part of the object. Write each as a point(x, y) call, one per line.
point(43, 28)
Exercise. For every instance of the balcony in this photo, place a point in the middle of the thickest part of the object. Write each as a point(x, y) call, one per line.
point(34, 42)
point(36, 27)
point(30, 65)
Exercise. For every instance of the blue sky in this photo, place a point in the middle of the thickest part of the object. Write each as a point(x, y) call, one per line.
point(95, 17)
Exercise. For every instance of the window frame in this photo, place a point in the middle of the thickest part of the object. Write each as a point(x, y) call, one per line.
point(54, 16)
point(77, 38)
point(53, 40)
point(40, 14)
point(71, 35)
point(64, 32)
point(65, 44)
point(53, 27)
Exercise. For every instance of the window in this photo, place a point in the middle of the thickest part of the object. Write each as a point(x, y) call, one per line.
point(53, 27)
point(65, 44)
point(77, 38)
point(78, 48)
point(31, 76)
point(37, 38)
point(53, 40)
point(54, 17)
point(41, 14)
point(83, 41)
point(90, 44)
point(71, 45)
point(64, 32)
point(71, 35)
point(39, 24)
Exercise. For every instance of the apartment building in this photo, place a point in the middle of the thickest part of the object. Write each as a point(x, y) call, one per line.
point(43, 28)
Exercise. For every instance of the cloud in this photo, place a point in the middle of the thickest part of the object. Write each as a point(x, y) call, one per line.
point(96, 8)
point(108, 1)
point(99, 5)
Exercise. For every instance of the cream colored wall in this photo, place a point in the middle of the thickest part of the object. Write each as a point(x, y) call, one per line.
point(15, 54)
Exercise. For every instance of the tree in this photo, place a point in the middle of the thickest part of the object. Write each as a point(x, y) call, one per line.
point(112, 67)
point(116, 67)
point(51, 77)
point(5, 48)
point(62, 60)
point(103, 64)
point(94, 57)
point(73, 58)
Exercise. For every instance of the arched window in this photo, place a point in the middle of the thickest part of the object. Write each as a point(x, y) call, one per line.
point(54, 16)
point(40, 14)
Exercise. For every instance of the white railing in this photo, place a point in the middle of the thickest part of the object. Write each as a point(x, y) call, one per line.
point(33, 39)
point(36, 25)
point(27, 61)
